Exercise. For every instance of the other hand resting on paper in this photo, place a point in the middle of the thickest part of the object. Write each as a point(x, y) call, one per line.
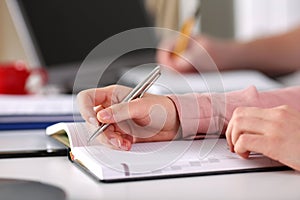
point(151, 118)
point(274, 132)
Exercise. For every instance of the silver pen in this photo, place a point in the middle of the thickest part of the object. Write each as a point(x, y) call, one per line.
point(136, 92)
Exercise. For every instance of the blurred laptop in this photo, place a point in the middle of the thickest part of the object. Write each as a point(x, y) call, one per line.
point(59, 35)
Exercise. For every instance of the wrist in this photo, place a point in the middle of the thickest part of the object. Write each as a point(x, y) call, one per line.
point(174, 116)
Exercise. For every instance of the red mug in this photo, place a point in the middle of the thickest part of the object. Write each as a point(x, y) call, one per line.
point(17, 78)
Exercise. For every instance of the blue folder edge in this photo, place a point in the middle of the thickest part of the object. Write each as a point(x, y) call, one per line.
point(27, 125)
point(23, 122)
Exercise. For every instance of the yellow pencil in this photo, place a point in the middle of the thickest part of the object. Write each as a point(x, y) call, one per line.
point(185, 33)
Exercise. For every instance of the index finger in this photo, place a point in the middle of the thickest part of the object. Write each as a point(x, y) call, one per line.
point(89, 99)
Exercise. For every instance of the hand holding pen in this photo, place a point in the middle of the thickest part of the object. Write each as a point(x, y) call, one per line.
point(186, 32)
point(137, 92)
point(131, 121)
point(180, 47)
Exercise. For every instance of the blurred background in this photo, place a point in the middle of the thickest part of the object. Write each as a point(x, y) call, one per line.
point(232, 19)
point(246, 19)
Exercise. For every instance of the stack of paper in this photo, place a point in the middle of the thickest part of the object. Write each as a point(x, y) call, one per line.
point(172, 82)
point(32, 112)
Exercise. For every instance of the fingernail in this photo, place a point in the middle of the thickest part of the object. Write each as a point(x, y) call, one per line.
point(93, 121)
point(115, 142)
point(104, 115)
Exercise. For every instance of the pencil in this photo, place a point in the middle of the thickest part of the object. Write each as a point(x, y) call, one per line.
point(185, 33)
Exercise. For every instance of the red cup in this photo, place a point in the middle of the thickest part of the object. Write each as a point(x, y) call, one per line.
point(16, 76)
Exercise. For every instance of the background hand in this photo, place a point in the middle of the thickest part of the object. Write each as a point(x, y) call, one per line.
point(200, 51)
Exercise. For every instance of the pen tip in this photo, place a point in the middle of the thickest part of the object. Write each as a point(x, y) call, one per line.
point(89, 141)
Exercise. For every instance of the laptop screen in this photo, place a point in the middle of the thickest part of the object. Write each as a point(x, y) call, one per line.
point(66, 31)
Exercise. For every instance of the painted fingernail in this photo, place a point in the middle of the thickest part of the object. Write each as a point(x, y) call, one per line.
point(93, 121)
point(104, 115)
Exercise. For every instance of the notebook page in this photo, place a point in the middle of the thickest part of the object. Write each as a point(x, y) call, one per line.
point(184, 157)
point(78, 133)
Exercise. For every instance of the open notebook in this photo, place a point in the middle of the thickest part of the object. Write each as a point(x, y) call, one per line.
point(157, 159)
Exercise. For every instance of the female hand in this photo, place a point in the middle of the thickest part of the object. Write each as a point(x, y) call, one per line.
point(203, 54)
point(273, 132)
point(151, 118)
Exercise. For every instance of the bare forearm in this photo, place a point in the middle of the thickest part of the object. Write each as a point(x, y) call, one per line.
point(273, 55)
